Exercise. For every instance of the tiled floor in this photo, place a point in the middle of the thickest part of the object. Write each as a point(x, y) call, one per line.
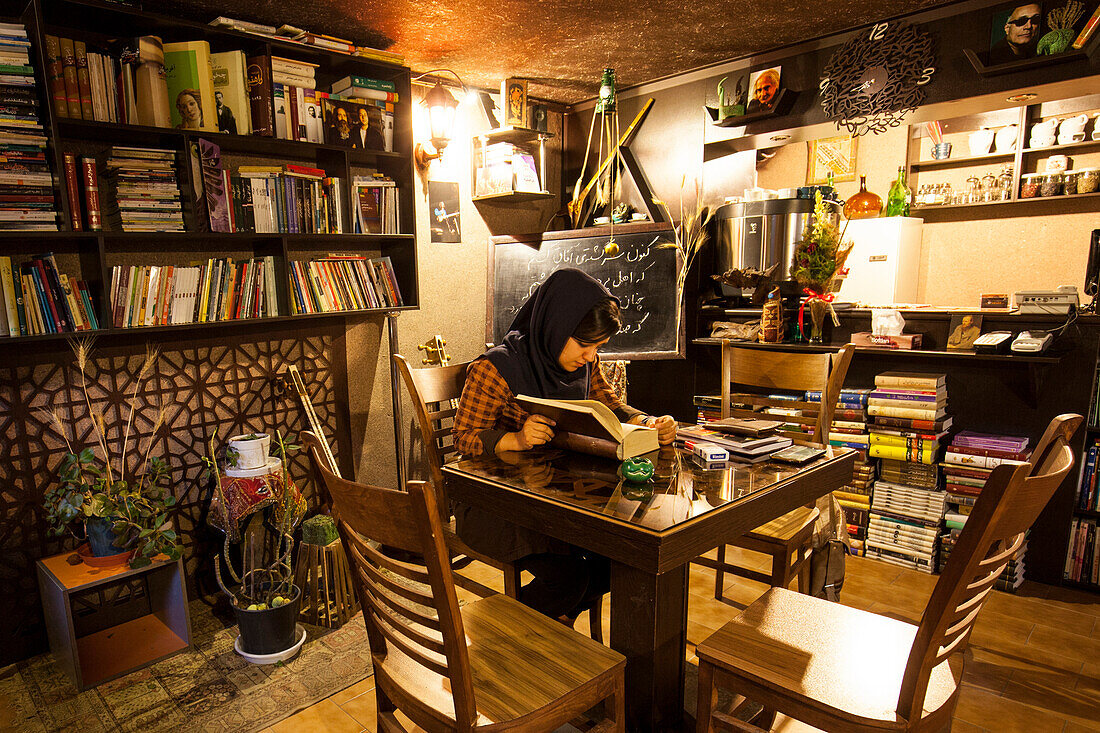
point(1034, 665)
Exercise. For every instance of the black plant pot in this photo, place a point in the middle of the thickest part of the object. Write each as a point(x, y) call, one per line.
point(271, 630)
point(101, 537)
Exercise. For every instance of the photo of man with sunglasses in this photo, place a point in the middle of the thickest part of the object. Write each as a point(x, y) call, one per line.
point(1021, 35)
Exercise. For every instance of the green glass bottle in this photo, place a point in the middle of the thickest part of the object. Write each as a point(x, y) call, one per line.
point(606, 101)
point(897, 201)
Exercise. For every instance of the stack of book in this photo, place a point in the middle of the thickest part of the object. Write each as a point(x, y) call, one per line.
point(217, 290)
point(26, 185)
point(378, 208)
point(142, 190)
point(708, 407)
point(1083, 557)
point(1008, 581)
point(39, 298)
point(378, 96)
point(969, 460)
point(849, 430)
point(343, 283)
point(297, 109)
point(908, 420)
point(741, 448)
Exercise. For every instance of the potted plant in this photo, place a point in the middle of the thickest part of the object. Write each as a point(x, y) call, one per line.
point(117, 497)
point(264, 597)
point(248, 451)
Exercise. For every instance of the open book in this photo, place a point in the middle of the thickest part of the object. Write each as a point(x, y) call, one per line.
point(590, 426)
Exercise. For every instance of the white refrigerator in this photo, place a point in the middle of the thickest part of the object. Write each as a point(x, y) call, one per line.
point(883, 263)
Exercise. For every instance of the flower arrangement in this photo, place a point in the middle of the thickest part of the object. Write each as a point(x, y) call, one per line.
point(818, 261)
point(820, 255)
point(689, 235)
point(123, 489)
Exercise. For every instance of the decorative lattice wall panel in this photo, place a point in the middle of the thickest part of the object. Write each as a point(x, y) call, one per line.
point(204, 385)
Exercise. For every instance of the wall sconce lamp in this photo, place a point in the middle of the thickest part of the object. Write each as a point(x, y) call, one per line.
point(442, 107)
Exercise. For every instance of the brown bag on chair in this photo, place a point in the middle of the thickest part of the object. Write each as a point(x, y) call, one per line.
point(830, 545)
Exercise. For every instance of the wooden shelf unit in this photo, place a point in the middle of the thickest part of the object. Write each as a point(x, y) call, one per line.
point(1024, 159)
point(139, 617)
point(91, 255)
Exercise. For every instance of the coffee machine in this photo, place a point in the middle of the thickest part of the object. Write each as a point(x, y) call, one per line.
point(760, 234)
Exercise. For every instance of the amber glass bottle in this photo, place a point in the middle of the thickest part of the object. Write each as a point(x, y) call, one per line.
point(863, 205)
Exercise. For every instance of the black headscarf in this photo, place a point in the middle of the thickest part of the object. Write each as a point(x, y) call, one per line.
point(528, 357)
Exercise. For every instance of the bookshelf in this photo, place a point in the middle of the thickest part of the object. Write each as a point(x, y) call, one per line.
point(91, 255)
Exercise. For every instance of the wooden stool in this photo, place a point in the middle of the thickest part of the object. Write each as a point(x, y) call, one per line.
point(328, 594)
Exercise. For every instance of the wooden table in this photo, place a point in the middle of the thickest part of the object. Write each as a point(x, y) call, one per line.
point(649, 538)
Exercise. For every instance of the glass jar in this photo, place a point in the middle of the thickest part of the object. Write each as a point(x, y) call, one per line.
point(973, 191)
point(1051, 185)
point(990, 192)
point(1031, 185)
point(1088, 180)
point(1069, 182)
point(1005, 181)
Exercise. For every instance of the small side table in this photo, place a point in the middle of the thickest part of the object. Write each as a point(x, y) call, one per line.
point(105, 622)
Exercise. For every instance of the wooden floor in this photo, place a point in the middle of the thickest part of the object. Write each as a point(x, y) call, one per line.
point(1035, 662)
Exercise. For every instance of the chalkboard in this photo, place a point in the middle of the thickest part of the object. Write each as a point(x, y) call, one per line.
point(642, 275)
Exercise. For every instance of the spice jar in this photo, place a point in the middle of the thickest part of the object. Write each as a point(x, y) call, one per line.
point(989, 188)
point(1051, 185)
point(1030, 184)
point(1088, 180)
point(1070, 182)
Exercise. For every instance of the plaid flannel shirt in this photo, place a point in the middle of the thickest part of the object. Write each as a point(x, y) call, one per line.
point(488, 409)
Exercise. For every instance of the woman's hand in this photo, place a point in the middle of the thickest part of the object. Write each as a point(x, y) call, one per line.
point(536, 430)
point(666, 428)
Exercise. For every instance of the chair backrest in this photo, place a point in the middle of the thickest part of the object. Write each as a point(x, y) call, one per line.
point(434, 392)
point(1008, 505)
point(410, 609)
point(764, 370)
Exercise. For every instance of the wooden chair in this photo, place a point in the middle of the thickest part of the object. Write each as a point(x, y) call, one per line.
point(842, 669)
point(434, 392)
point(493, 664)
point(785, 540)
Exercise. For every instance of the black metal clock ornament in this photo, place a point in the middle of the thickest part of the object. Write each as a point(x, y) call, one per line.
point(875, 79)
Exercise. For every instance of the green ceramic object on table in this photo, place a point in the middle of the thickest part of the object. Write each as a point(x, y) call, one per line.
point(636, 470)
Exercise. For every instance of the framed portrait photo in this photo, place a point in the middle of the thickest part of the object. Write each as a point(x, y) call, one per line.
point(835, 154)
point(1014, 32)
point(963, 332)
point(763, 89)
point(513, 99)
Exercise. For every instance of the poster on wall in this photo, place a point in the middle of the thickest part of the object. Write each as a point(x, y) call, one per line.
point(443, 201)
point(763, 89)
point(835, 154)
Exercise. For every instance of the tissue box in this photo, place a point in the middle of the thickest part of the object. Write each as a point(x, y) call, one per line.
point(901, 341)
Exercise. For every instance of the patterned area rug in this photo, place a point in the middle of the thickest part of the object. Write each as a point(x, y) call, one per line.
point(210, 688)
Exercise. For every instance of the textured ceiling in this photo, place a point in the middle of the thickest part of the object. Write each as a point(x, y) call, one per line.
point(563, 45)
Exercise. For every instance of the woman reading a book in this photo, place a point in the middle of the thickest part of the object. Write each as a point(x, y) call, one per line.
point(550, 351)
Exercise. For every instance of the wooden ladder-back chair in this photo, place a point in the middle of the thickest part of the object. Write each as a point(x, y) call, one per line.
point(434, 392)
point(786, 539)
point(842, 669)
point(493, 664)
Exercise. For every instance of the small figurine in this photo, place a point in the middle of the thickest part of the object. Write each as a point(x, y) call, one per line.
point(636, 470)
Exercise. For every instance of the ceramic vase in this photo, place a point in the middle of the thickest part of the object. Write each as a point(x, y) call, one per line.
point(251, 450)
point(1006, 139)
point(1042, 134)
point(981, 141)
point(1072, 129)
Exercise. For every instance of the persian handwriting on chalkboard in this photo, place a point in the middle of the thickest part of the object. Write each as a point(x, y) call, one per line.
point(641, 274)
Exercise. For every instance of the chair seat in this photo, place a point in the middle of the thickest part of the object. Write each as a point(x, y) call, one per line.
point(841, 661)
point(787, 527)
point(521, 662)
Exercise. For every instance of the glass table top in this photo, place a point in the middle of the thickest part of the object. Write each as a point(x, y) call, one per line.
point(681, 488)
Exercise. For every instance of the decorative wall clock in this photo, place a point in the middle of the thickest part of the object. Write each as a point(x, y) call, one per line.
point(872, 81)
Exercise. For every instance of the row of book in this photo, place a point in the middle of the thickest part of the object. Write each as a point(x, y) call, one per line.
point(217, 290)
point(40, 299)
point(343, 283)
point(27, 201)
point(1083, 557)
point(1088, 497)
point(849, 430)
point(292, 34)
point(214, 92)
point(286, 198)
point(504, 168)
point(378, 208)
